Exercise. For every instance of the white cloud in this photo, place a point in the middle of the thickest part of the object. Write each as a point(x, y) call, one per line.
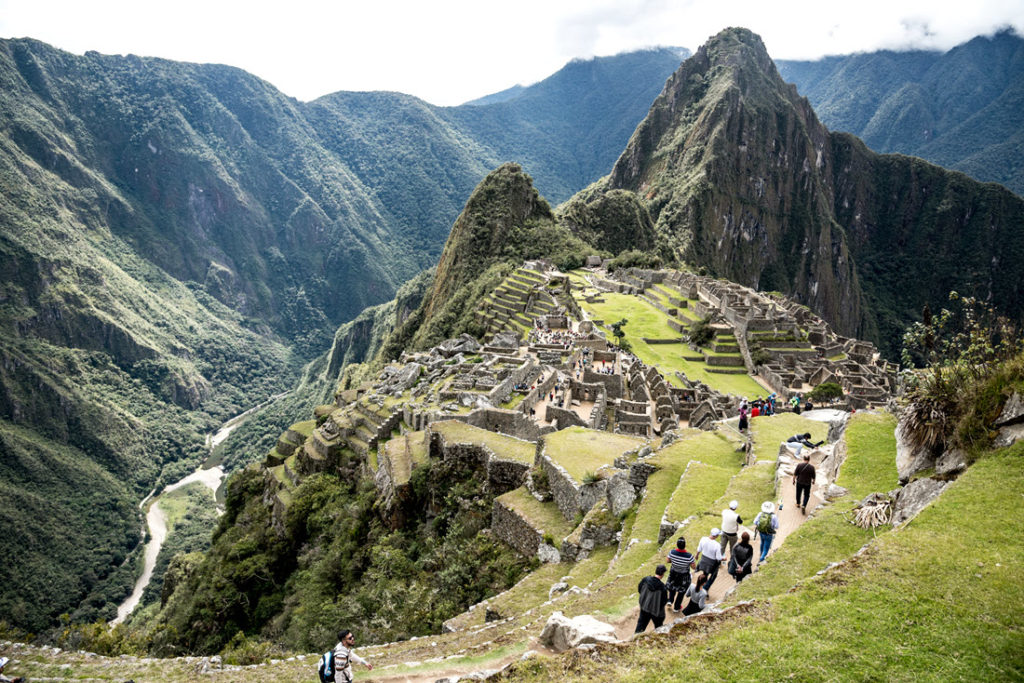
point(448, 51)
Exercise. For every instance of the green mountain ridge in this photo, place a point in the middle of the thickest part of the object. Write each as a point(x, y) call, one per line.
point(175, 240)
point(959, 109)
point(740, 177)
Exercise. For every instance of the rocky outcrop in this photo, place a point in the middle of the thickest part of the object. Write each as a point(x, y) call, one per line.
point(562, 633)
point(913, 497)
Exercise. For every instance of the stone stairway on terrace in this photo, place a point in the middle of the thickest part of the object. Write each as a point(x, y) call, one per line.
point(519, 300)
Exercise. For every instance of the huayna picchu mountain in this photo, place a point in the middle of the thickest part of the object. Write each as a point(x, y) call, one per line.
point(741, 178)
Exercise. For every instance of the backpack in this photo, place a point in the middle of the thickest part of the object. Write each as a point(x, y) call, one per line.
point(764, 523)
point(325, 669)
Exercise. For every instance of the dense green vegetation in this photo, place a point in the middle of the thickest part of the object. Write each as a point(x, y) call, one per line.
point(960, 109)
point(283, 582)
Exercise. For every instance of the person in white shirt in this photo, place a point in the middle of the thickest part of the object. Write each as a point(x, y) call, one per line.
point(730, 526)
point(344, 656)
point(710, 556)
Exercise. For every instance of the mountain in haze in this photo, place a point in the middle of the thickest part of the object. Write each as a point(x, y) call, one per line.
point(962, 109)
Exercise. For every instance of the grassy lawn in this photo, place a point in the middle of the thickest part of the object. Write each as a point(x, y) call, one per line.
point(668, 359)
point(580, 450)
point(506, 447)
point(544, 517)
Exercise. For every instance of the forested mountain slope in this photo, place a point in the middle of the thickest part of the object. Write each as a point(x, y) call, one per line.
point(962, 109)
point(175, 239)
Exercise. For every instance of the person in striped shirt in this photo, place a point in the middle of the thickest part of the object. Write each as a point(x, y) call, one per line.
point(680, 559)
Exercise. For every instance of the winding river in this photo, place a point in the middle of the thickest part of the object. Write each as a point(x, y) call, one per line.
point(211, 474)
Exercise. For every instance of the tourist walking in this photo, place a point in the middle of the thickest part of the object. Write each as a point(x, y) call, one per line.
point(730, 526)
point(803, 478)
point(742, 559)
point(766, 523)
point(336, 665)
point(698, 594)
point(743, 415)
point(680, 560)
point(709, 557)
point(653, 598)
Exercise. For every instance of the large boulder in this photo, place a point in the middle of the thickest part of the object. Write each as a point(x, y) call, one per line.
point(1013, 412)
point(505, 340)
point(562, 633)
point(913, 497)
point(621, 494)
point(911, 456)
point(465, 344)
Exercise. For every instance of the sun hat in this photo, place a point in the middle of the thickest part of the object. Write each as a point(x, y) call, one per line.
point(3, 662)
point(733, 504)
point(715, 532)
point(768, 506)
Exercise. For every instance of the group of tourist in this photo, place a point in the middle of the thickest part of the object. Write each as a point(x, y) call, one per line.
point(759, 406)
point(656, 594)
point(564, 338)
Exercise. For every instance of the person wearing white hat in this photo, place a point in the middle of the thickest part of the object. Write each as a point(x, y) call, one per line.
point(710, 556)
point(5, 679)
point(766, 523)
point(730, 526)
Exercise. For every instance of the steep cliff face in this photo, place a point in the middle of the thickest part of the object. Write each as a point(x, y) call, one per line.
point(736, 171)
point(742, 179)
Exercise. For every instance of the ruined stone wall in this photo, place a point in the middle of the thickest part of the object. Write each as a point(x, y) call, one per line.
point(564, 490)
point(612, 383)
point(509, 422)
point(563, 418)
point(508, 526)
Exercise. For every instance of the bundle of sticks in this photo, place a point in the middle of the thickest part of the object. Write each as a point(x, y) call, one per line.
point(873, 511)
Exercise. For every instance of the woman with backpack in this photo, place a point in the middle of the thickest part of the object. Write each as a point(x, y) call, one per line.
point(740, 564)
point(766, 523)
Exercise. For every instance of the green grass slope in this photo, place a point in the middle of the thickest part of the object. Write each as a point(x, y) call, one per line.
point(937, 600)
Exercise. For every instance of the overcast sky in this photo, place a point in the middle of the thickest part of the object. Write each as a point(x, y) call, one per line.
point(450, 51)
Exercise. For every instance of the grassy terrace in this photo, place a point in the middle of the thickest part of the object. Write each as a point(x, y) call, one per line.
point(614, 592)
point(938, 601)
point(304, 428)
point(647, 321)
point(506, 447)
point(542, 516)
point(580, 450)
point(405, 452)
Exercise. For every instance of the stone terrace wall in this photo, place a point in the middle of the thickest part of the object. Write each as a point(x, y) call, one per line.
point(501, 475)
point(508, 526)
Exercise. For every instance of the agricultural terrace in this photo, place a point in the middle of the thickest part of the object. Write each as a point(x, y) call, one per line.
point(505, 447)
point(646, 321)
point(580, 450)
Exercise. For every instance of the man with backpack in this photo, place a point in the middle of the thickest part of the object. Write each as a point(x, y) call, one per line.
point(766, 523)
point(653, 597)
point(336, 665)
